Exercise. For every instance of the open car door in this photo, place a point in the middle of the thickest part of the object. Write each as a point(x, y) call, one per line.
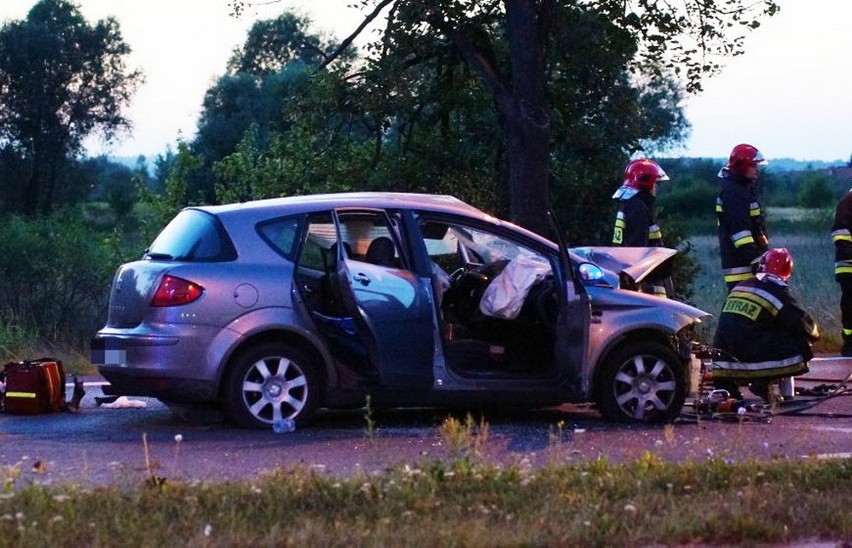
point(575, 317)
point(391, 307)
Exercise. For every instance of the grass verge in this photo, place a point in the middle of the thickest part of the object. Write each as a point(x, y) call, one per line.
point(457, 504)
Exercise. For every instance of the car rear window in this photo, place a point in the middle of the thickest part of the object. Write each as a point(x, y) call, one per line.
point(193, 235)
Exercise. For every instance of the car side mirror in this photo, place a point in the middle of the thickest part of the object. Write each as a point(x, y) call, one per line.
point(591, 274)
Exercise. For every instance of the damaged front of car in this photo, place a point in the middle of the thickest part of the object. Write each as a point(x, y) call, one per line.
point(639, 344)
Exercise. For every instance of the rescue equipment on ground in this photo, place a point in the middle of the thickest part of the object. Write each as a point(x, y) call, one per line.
point(780, 396)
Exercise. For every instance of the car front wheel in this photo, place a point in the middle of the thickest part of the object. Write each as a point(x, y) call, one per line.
point(270, 382)
point(642, 382)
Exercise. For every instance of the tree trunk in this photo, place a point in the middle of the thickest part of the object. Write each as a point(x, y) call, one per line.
point(32, 191)
point(528, 122)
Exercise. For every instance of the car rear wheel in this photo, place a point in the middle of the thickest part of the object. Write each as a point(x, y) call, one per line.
point(642, 382)
point(269, 382)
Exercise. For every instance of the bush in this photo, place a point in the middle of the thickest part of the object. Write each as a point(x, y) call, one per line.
point(816, 192)
point(55, 275)
point(691, 199)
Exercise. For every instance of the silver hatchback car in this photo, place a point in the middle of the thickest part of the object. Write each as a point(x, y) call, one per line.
point(277, 308)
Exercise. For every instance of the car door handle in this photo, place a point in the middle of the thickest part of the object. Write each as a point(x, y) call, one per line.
point(361, 277)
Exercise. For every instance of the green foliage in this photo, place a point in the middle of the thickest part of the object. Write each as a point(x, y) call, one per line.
point(113, 182)
point(54, 277)
point(691, 199)
point(816, 192)
point(418, 118)
point(272, 69)
point(61, 79)
point(175, 196)
point(687, 266)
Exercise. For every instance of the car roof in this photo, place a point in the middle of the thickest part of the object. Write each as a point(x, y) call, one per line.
point(311, 202)
point(250, 212)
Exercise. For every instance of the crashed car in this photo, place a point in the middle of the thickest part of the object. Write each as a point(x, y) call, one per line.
point(278, 308)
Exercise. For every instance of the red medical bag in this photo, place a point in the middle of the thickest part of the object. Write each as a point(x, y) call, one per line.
point(32, 387)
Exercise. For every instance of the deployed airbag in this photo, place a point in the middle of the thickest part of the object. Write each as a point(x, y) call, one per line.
point(504, 297)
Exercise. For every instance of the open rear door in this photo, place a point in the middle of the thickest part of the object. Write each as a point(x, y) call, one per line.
point(391, 306)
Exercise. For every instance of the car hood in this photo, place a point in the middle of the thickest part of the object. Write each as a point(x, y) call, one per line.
point(638, 263)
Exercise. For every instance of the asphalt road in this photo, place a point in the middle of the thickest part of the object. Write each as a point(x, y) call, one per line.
point(126, 446)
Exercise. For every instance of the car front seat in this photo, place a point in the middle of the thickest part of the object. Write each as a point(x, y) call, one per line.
point(381, 252)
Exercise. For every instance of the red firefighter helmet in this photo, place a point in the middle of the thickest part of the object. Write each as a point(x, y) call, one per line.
point(777, 262)
point(743, 157)
point(643, 174)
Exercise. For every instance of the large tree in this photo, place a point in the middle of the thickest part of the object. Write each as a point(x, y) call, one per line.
point(684, 37)
point(61, 80)
point(680, 36)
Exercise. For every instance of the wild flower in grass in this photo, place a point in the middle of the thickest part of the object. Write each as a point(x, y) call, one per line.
point(630, 509)
point(208, 530)
point(409, 471)
point(178, 440)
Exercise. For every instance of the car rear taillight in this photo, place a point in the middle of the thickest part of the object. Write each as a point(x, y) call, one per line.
point(174, 291)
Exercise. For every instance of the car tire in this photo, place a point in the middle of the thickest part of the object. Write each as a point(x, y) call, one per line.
point(269, 382)
point(642, 382)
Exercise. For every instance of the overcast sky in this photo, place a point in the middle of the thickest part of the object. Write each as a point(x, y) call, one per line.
point(789, 94)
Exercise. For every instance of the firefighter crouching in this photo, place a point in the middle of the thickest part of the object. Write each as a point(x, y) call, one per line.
point(763, 330)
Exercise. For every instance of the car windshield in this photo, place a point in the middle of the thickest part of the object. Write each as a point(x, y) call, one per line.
point(192, 235)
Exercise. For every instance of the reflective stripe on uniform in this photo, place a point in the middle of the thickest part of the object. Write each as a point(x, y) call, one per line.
point(842, 235)
point(29, 395)
point(737, 274)
point(654, 232)
point(754, 209)
point(843, 267)
point(618, 231)
point(781, 368)
point(762, 298)
point(742, 238)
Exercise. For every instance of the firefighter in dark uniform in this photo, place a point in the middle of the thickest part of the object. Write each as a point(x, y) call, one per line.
point(841, 234)
point(635, 223)
point(763, 333)
point(742, 228)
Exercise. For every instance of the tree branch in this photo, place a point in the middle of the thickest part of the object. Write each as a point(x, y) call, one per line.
point(351, 38)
